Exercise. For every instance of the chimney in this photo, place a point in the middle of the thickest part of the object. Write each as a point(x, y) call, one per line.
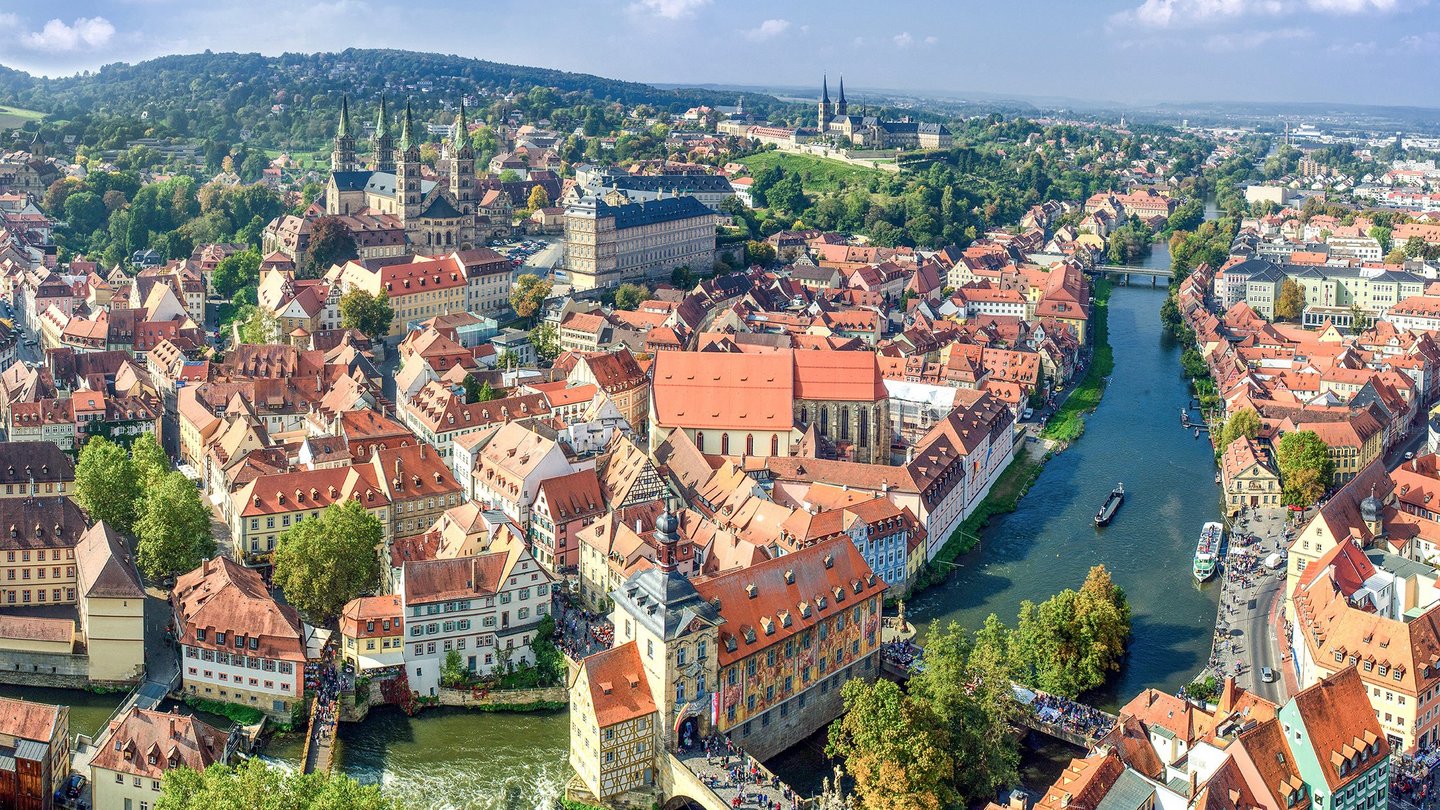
point(1194, 780)
point(172, 728)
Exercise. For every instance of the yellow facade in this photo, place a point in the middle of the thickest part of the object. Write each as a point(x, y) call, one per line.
point(39, 577)
point(114, 637)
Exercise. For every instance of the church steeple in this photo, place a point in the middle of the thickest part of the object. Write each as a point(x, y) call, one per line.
point(384, 142)
point(407, 170)
point(342, 157)
point(462, 164)
point(840, 108)
point(825, 115)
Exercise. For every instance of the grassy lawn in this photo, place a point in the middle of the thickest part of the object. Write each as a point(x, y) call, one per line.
point(817, 174)
point(11, 117)
point(1069, 422)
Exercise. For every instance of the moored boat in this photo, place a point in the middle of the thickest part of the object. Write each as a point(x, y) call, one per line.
point(1111, 505)
point(1207, 551)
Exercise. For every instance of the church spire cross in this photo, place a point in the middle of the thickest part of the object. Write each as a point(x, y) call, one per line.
point(462, 127)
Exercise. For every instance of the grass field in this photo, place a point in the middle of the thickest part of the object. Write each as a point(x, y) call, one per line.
point(1069, 422)
point(816, 173)
point(11, 117)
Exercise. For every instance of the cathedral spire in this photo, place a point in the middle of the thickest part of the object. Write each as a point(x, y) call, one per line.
point(840, 107)
point(406, 137)
point(824, 89)
point(342, 130)
point(382, 121)
point(462, 127)
point(383, 141)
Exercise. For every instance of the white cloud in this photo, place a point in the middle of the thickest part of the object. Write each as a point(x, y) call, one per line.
point(931, 40)
point(1365, 48)
point(768, 29)
point(1421, 42)
point(903, 39)
point(87, 32)
point(1247, 40)
point(669, 9)
point(1182, 13)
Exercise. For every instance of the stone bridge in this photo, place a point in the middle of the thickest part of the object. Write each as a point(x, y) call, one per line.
point(1124, 273)
point(687, 779)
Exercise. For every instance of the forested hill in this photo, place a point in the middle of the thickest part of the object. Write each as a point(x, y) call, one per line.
point(291, 98)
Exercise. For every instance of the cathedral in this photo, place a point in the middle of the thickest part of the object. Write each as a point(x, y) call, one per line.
point(869, 132)
point(434, 215)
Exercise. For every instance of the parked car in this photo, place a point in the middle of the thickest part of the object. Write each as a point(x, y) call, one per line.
point(1267, 675)
point(74, 786)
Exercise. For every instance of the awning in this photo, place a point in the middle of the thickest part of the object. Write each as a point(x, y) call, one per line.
point(1274, 561)
point(393, 658)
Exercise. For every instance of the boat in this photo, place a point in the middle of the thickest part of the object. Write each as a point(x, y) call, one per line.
point(1207, 551)
point(1197, 433)
point(1111, 506)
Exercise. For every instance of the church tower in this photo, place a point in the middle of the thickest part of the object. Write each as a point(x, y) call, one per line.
point(383, 141)
point(342, 157)
point(840, 109)
point(462, 164)
point(407, 171)
point(824, 103)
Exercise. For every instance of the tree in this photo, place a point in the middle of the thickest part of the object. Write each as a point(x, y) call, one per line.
point(1305, 467)
point(1291, 303)
point(976, 706)
point(326, 561)
point(331, 243)
point(1072, 641)
point(371, 314)
point(105, 484)
point(476, 391)
point(151, 465)
point(549, 664)
point(895, 748)
point(235, 271)
point(528, 294)
point(761, 253)
point(683, 278)
point(173, 534)
point(629, 296)
point(255, 784)
point(539, 198)
point(546, 340)
point(454, 673)
point(257, 325)
point(1396, 256)
point(1414, 246)
point(1381, 235)
point(1244, 422)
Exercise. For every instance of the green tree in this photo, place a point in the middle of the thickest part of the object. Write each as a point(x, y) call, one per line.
point(539, 198)
point(976, 706)
point(1244, 422)
point(761, 253)
point(1305, 467)
point(331, 243)
point(454, 673)
point(549, 663)
point(1414, 246)
point(255, 784)
point(528, 294)
point(629, 296)
point(257, 325)
point(682, 278)
point(1396, 256)
point(895, 748)
point(235, 271)
point(477, 391)
point(1072, 641)
point(370, 314)
point(1291, 303)
point(173, 534)
point(326, 561)
point(1381, 235)
point(546, 340)
point(105, 484)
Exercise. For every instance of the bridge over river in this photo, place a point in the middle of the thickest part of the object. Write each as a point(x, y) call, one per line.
point(1123, 273)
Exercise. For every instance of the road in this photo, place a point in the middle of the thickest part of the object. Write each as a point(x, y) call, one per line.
point(1249, 603)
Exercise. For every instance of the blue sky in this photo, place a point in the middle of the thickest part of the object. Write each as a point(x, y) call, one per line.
point(1132, 51)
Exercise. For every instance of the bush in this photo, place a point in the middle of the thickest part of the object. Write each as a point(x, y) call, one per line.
point(236, 713)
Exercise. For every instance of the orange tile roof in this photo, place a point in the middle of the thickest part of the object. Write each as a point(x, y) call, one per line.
point(28, 720)
point(618, 686)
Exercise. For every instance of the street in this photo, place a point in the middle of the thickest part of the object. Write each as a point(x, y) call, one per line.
point(1246, 639)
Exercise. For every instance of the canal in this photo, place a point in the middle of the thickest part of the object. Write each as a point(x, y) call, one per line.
point(470, 760)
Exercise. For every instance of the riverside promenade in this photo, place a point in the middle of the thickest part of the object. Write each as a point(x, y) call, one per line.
point(1245, 640)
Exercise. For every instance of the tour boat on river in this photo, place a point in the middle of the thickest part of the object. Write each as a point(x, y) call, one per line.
point(1207, 552)
point(1111, 505)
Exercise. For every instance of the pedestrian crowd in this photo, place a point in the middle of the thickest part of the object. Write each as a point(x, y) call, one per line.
point(1245, 577)
point(903, 653)
point(1411, 783)
point(737, 778)
point(581, 632)
point(324, 680)
point(1071, 715)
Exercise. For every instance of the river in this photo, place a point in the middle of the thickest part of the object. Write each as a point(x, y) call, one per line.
point(461, 760)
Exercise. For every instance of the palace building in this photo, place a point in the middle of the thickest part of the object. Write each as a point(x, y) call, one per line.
point(868, 131)
point(435, 217)
point(757, 654)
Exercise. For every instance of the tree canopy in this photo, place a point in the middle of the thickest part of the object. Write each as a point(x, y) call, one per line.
point(255, 785)
point(105, 484)
point(629, 296)
point(528, 294)
point(326, 561)
point(1244, 422)
point(331, 243)
point(370, 314)
point(1291, 303)
point(173, 532)
point(895, 748)
point(1305, 467)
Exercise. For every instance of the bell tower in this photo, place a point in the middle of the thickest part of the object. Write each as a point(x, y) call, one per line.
point(407, 171)
point(342, 157)
point(840, 109)
point(383, 141)
point(824, 103)
point(462, 164)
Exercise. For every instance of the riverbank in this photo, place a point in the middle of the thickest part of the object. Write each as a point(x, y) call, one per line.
point(1068, 423)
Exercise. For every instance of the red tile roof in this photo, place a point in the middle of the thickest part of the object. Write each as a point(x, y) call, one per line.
point(618, 686)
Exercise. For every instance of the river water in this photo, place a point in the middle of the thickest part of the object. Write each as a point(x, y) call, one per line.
point(463, 760)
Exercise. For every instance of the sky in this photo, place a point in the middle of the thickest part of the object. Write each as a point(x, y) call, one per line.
point(1128, 51)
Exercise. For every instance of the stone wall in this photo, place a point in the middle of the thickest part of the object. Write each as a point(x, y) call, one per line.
point(66, 671)
point(466, 698)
